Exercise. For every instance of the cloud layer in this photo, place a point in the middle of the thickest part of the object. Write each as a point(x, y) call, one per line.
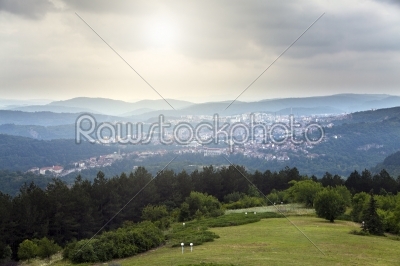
point(197, 50)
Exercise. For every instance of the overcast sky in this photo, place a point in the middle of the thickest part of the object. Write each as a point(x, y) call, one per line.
point(197, 50)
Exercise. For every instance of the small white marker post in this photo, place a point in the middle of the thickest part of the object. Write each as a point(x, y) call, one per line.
point(182, 247)
point(183, 224)
point(191, 247)
point(245, 213)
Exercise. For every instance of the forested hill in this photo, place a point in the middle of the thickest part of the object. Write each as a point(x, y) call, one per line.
point(372, 116)
point(20, 153)
point(391, 164)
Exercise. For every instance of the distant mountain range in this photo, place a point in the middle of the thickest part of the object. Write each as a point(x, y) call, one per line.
point(11, 103)
point(102, 106)
point(48, 118)
point(333, 104)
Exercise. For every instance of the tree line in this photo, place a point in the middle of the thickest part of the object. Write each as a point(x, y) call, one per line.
point(65, 213)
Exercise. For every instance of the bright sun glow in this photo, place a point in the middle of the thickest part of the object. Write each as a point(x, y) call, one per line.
point(162, 33)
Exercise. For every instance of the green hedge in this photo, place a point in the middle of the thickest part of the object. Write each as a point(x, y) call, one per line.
point(124, 242)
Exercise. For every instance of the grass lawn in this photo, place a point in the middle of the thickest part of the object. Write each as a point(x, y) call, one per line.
point(276, 241)
point(292, 209)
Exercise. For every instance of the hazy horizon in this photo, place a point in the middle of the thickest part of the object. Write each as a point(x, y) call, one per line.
point(45, 101)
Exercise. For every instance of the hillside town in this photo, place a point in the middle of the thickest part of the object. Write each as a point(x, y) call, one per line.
point(273, 145)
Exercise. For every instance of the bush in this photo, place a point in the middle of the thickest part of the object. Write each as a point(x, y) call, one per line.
point(124, 242)
point(235, 219)
point(27, 250)
point(344, 217)
point(389, 221)
point(158, 215)
point(5, 253)
point(245, 202)
point(83, 252)
point(200, 205)
point(359, 232)
point(47, 248)
point(275, 197)
point(233, 197)
point(192, 232)
point(68, 250)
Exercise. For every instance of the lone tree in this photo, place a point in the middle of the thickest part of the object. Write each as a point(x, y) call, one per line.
point(329, 204)
point(372, 221)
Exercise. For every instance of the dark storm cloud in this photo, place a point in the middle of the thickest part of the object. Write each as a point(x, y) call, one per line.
point(33, 9)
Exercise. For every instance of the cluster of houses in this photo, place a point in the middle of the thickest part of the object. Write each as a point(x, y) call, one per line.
point(93, 162)
point(55, 170)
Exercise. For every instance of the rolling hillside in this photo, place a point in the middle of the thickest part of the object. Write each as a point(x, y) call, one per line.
point(20, 154)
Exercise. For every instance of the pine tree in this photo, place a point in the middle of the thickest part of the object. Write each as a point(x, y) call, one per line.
point(372, 221)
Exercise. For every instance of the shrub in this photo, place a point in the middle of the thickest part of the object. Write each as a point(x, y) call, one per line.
point(192, 232)
point(275, 197)
point(27, 250)
point(245, 202)
point(233, 197)
point(47, 248)
point(83, 251)
point(124, 242)
point(5, 253)
point(158, 215)
point(199, 204)
point(359, 232)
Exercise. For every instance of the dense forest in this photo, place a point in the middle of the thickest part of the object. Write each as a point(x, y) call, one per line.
point(391, 164)
point(39, 132)
point(21, 154)
point(66, 213)
point(11, 182)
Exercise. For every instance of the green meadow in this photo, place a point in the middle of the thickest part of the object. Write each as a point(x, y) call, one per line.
point(259, 238)
point(276, 241)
